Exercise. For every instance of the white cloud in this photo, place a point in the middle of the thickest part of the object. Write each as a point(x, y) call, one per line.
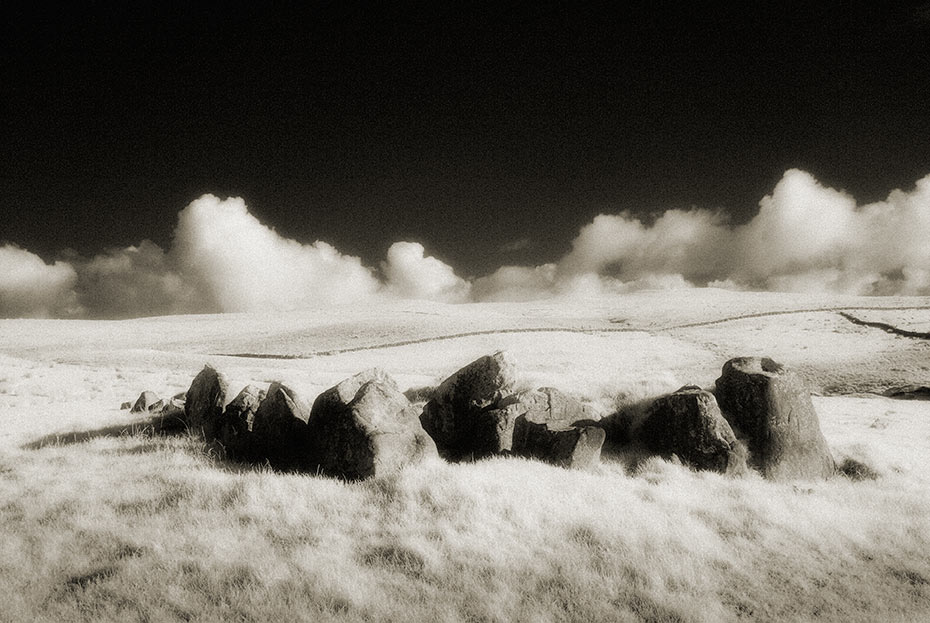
point(134, 281)
point(31, 288)
point(805, 237)
point(409, 273)
point(235, 263)
point(516, 283)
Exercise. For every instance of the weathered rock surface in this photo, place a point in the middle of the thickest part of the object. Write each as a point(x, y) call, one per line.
point(458, 417)
point(552, 426)
point(377, 431)
point(344, 392)
point(688, 423)
point(577, 447)
point(235, 429)
point(279, 430)
point(204, 402)
point(772, 408)
point(147, 402)
point(555, 407)
point(174, 407)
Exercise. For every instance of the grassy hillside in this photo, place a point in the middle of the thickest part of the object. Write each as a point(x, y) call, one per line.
point(102, 520)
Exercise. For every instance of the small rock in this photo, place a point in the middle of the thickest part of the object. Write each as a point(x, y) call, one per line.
point(125, 405)
point(772, 408)
point(147, 402)
point(688, 423)
point(175, 406)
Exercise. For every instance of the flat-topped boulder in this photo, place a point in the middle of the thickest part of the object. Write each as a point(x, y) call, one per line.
point(576, 447)
point(457, 415)
point(555, 407)
point(376, 432)
point(279, 429)
point(771, 407)
point(204, 402)
point(689, 424)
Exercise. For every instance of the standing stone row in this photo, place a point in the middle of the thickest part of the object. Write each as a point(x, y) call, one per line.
point(761, 417)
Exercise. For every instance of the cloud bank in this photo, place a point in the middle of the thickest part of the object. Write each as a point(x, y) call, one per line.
point(410, 274)
point(31, 288)
point(805, 237)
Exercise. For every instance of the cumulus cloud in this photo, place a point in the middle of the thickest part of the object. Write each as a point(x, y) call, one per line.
point(134, 281)
point(235, 263)
point(222, 260)
point(516, 283)
point(31, 288)
point(805, 237)
point(409, 273)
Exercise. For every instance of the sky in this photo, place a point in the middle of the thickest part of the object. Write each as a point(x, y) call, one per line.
point(456, 152)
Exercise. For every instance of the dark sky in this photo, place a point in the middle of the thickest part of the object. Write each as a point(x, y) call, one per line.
point(462, 128)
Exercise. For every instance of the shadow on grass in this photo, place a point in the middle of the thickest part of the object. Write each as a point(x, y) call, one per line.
point(151, 431)
point(159, 425)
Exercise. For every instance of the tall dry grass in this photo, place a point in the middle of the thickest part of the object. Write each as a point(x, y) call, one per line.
point(147, 528)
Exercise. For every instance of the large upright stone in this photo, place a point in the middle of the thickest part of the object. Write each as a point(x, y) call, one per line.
point(456, 417)
point(235, 429)
point(688, 423)
point(204, 402)
point(772, 408)
point(279, 430)
point(376, 432)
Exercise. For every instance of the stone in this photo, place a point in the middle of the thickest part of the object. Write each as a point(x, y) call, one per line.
point(344, 392)
point(550, 425)
point(175, 406)
point(576, 447)
point(771, 408)
point(204, 402)
point(238, 418)
point(147, 402)
point(689, 424)
point(125, 406)
point(377, 432)
point(555, 407)
point(279, 430)
point(457, 415)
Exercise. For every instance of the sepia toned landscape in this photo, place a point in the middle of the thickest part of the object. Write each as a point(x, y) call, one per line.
point(108, 517)
point(503, 312)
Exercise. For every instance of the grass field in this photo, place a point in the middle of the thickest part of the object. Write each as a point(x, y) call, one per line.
point(102, 519)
